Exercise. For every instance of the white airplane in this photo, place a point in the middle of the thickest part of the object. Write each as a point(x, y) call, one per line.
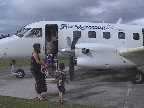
point(93, 45)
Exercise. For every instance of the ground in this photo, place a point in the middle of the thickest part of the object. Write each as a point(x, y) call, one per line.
point(104, 88)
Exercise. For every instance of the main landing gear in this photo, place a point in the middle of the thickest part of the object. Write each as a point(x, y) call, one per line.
point(138, 77)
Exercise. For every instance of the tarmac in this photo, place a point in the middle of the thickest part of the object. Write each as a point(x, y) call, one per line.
point(102, 88)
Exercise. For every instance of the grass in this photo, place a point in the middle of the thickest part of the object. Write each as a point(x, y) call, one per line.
point(22, 62)
point(11, 102)
point(64, 60)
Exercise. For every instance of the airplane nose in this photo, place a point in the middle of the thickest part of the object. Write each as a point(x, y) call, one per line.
point(2, 53)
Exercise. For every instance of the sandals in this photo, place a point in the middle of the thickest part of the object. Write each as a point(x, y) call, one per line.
point(43, 99)
point(40, 99)
point(36, 99)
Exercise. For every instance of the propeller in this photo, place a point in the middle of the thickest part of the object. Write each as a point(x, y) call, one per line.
point(76, 37)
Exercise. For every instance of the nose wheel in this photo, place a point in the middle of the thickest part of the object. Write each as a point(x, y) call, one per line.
point(20, 73)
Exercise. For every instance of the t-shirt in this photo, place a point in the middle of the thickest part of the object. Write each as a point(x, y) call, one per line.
point(50, 60)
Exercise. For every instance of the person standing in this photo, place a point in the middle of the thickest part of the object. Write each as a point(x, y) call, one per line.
point(60, 79)
point(36, 63)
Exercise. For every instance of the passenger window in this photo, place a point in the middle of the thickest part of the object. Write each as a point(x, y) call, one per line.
point(136, 36)
point(76, 34)
point(106, 35)
point(92, 34)
point(35, 33)
point(121, 35)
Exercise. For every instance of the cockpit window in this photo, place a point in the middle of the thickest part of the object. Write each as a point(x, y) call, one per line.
point(22, 31)
point(34, 33)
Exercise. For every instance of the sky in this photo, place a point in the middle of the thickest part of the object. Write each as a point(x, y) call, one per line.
point(16, 13)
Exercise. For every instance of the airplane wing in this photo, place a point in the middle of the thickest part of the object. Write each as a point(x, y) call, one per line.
point(95, 46)
point(135, 55)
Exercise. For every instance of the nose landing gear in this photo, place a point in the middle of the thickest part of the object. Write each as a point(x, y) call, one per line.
point(18, 73)
point(138, 76)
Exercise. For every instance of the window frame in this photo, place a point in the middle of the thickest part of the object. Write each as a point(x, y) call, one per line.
point(92, 35)
point(76, 34)
point(121, 35)
point(136, 36)
point(105, 36)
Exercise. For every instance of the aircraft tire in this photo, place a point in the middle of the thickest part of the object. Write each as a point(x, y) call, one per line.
point(20, 73)
point(139, 78)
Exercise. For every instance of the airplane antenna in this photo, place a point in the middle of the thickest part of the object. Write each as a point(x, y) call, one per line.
point(43, 19)
point(119, 21)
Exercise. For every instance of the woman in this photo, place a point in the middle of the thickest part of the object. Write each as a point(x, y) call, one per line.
point(36, 63)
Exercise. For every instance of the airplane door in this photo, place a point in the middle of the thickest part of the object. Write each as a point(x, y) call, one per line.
point(51, 39)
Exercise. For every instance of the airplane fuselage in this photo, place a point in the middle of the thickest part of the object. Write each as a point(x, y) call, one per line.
point(104, 41)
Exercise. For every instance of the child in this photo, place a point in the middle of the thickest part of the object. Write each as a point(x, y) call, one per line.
point(61, 78)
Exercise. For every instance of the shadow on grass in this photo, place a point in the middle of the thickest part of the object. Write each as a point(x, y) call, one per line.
point(11, 102)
